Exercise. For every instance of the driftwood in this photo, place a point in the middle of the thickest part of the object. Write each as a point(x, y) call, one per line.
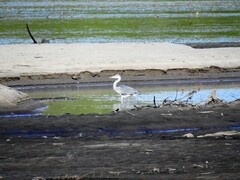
point(213, 99)
point(179, 102)
point(30, 34)
point(34, 40)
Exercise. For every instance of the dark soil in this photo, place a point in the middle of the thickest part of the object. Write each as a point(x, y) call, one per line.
point(144, 143)
point(212, 72)
point(214, 45)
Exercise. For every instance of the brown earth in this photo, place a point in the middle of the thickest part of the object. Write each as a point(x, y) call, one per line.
point(145, 143)
point(212, 72)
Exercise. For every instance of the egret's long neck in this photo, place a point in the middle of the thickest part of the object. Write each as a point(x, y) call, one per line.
point(115, 82)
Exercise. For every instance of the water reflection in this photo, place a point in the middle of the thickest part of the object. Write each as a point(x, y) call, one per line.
point(77, 99)
point(127, 104)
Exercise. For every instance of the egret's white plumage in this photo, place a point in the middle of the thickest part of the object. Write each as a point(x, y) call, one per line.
point(124, 91)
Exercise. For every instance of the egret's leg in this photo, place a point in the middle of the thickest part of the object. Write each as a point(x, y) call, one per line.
point(122, 97)
point(127, 96)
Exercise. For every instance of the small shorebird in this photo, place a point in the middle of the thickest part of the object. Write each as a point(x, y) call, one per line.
point(124, 91)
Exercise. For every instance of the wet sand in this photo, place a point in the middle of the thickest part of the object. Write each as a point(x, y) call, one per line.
point(144, 143)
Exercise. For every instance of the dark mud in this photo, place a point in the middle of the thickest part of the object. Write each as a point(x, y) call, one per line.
point(212, 72)
point(214, 45)
point(145, 143)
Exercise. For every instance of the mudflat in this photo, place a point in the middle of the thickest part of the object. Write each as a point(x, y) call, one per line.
point(163, 142)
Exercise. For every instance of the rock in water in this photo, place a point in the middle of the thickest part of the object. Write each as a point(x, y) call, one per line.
point(12, 101)
point(10, 97)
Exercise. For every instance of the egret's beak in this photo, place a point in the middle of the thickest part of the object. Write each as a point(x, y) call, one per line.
point(115, 76)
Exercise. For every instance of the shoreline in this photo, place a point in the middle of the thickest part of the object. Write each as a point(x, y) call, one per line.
point(213, 45)
point(24, 64)
point(128, 76)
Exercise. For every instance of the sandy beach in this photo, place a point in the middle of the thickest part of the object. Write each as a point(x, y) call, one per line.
point(41, 59)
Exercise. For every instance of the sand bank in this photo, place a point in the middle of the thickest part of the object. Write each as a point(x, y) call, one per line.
point(30, 59)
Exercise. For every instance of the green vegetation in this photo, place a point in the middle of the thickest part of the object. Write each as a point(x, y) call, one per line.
point(83, 106)
point(123, 20)
point(139, 28)
point(82, 101)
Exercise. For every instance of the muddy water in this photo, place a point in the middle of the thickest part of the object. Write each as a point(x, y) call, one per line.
point(100, 97)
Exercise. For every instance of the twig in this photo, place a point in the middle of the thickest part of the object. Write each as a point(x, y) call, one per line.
point(189, 95)
point(30, 34)
point(154, 101)
point(176, 95)
point(130, 113)
point(164, 101)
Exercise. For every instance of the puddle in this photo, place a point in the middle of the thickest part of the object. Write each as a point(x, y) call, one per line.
point(100, 97)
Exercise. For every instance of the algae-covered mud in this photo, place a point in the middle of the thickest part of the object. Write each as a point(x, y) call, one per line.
point(117, 21)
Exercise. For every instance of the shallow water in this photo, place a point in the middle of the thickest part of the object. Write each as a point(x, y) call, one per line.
point(175, 21)
point(100, 97)
point(111, 8)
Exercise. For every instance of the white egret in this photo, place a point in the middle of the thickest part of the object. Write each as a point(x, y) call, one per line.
point(124, 91)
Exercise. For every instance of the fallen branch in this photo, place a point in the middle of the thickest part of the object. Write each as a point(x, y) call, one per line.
point(179, 102)
point(34, 40)
point(30, 34)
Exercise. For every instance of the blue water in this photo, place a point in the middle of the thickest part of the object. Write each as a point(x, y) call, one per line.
point(97, 97)
point(112, 9)
point(102, 131)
